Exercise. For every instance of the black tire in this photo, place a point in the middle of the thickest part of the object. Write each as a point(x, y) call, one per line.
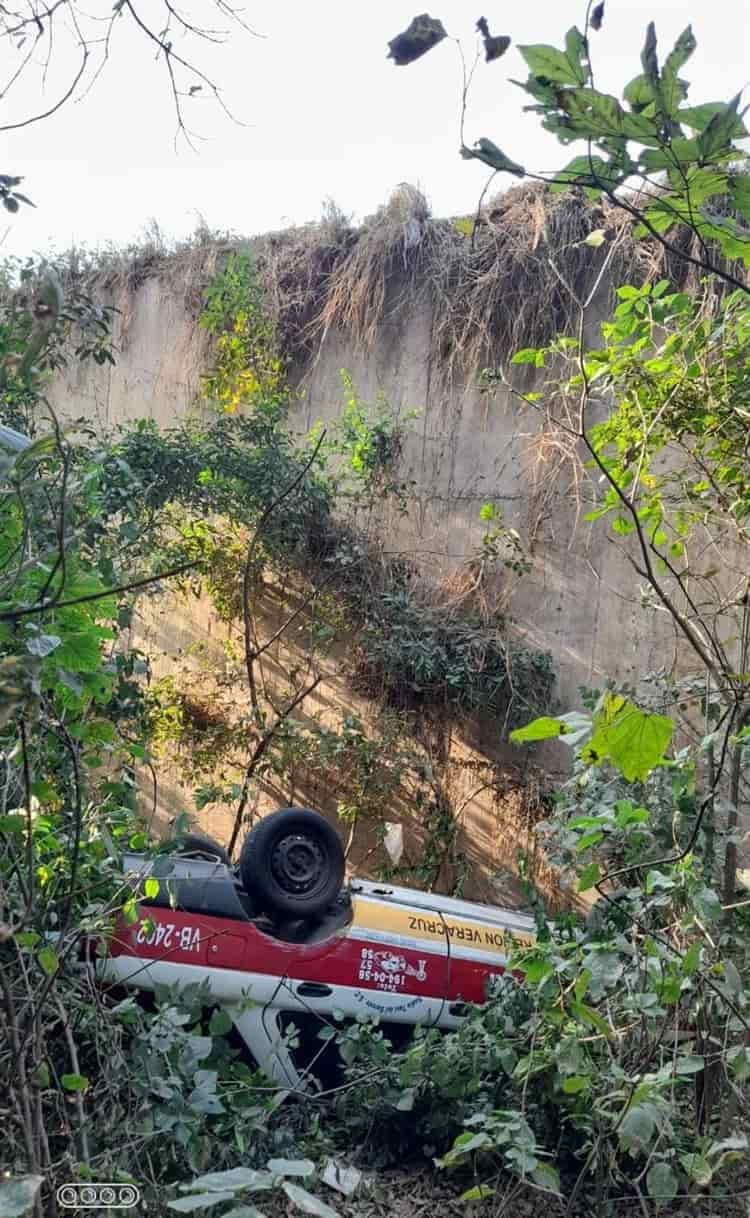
point(196, 845)
point(292, 863)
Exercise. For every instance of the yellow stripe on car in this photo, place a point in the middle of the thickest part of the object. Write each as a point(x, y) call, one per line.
point(424, 926)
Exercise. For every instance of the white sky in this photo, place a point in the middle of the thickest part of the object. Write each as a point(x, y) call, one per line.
point(329, 115)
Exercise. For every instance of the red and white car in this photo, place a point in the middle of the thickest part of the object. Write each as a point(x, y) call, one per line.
point(280, 940)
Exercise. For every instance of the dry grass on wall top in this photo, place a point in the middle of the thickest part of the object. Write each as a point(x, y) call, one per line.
point(492, 287)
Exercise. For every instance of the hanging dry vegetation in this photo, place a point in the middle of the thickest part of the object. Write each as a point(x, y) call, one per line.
point(498, 281)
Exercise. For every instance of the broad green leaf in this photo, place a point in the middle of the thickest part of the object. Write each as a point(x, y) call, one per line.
point(27, 938)
point(544, 728)
point(606, 969)
point(151, 888)
point(634, 741)
point(739, 188)
point(291, 1167)
point(588, 840)
point(588, 877)
point(595, 239)
point(587, 1014)
point(551, 64)
point(17, 1197)
point(718, 134)
point(674, 90)
point(698, 1168)
point(546, 1177)
point(739, 1059)
point(48, 960)
point(43, 645)
point(638, 1127)
point(480, 1192)
point(592, 173)
point(576, 53)
point(220, 1022)
point(529, 355)
point(12, 823)
point(736, 1141)
point(626, 814)
point(307, 1202)
point(732, 978)
point(575, 1083)
point(80, 651)
point(536, 971)
point(692, 959)
point(200, 1201)
point(74, 1082)
point(484, 150)
point(639, 93)
point(698, 118)
point(235, 1178)
point(689, 1064)
point(661, 1182)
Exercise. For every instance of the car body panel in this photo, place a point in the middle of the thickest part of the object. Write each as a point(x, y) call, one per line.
point(399, 955)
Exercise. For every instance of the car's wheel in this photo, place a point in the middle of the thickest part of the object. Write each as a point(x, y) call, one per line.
point(292, 863)
point(196, 846)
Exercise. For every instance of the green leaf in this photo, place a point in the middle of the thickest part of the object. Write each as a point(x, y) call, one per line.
point(576, 53)
point(588, 840)
point(291, 1167)
point(220, 1022)
point(692, 959)
point(634, 741)
point(200, 1201)
point(48, 960)
point(698, 1169)
point(12, 823)
point(529, 355)
point(737, 1141)
point(649, 61)
point(587, 1014)
point(480, 1192)
point(536, 970)
point(17, 1197)
point(74, 1082)
point(698, 118)
point(151, 888)
point(575, 1083)
point(546, 1177)
point(592, 173)
point(484, 150)
point(674, 90)
point(639, 93)
point(80, 651)
point(589, 877)
point(661, 1182)
point(27, 938)
point(717, 135)
point(638, 1127)
point(235, 1178)
point(40, 1075)
point(732, 978)
point(739, 1060)
point(550, 64)
point(689, 1064)
point(43, 645)
point(739, 189)
point(544, 728)
point(307, 1203)
point(595, 239)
